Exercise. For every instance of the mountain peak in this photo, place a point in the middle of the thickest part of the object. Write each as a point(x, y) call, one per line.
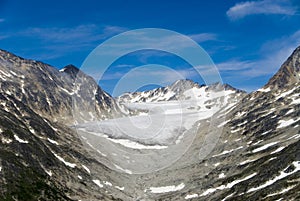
point(289, 72)
point(4, 55)
point(71, 70)
point(183, 84)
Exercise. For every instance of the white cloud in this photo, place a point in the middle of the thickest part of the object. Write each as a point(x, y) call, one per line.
point(274, 53)
point(3, 36)
point(164, 75)
point(87, 33)
point(2, 20)
point(202, 37)
point(57, 41)
point(234, 64)
point(114, 30)
point(243, 9)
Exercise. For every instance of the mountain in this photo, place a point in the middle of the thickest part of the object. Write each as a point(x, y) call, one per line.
point(52, 93)
point(41, 157)
point(257, 155)
point(179, 90)
point(289, 72)
point(246, 146)
point(264, 129)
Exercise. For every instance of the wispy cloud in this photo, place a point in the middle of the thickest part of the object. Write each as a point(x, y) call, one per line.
point(58, 41)
point(166, 75)
point(154, 39)
point(3, 36)
point(143, 75)
point(243, 9)
point(274, 53)
point(2, 19)
point(235, 64)
point(81, 33)
point(202, 37)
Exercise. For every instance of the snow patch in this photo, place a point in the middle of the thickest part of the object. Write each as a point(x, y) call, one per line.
point(222, 175)
point(20, 140)
point(236, 130)
point(98, 183)
point(72, 165)
point(52, 141)
point(102, 154)
point(278, 150)
point(6, 140)
point(228, 196)
point(290, 111)
point(266, 132)
point(191, 196)
point(120, 188)
point(284, 94)
point(66, 91)
point(240, 114)
point(223, 123)
point(49, 172)
point(31, 130)
point(165, 189)
point(227, 151)
point(264, 147)
point(247, 161)
point(285, 123)
point(229, 185)
point(86, 169)
point(282, 191)
point(273, 158)
point(296, 101)
point(135, 145)
point(107, 183)
point(259, 141)
point(264, 90)
point(279, 177)
point(62, 70)
point(123, 170)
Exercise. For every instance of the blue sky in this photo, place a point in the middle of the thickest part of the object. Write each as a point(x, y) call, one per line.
point(247, 40)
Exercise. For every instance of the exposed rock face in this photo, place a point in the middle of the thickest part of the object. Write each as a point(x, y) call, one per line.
point(256, 157)
point(52, 93)
point(289, 73)
point(40, 155)
point(44, 160)
point(179, 90)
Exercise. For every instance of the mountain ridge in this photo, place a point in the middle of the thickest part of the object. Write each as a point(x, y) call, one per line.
point(174, 91)
point(289, 72)
point(41, 86)
point(42, 157)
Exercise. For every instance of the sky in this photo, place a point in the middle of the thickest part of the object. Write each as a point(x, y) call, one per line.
point(247, 40)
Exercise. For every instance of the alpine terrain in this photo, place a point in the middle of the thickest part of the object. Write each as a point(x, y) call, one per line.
point(63, 138)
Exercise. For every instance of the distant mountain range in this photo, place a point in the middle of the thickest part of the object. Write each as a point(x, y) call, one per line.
point(179, 90)
point(43, 156)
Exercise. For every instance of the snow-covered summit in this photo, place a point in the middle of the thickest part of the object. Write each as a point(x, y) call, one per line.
point(179, 90)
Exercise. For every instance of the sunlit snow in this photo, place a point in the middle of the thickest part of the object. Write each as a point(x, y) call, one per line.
point(20, 140)
point(165, 189)
point(266, 146)
point(98, 183)
point(282, 175)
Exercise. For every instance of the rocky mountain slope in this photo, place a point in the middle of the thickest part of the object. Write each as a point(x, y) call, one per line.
point(288, 74)
point(41, 158)
point(179, 90)
point(52, 93)
point(256, 157)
